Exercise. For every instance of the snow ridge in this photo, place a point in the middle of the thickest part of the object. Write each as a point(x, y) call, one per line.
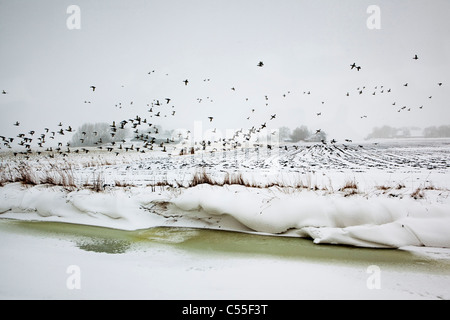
point(358, 220)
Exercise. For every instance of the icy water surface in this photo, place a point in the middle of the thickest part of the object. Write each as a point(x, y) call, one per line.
point(214, 243)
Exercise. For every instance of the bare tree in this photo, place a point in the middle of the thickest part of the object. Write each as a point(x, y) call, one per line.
point(284, 133)
point(300, 134)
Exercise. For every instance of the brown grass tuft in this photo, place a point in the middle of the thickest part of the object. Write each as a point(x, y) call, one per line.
point(350, 184)
point(418, 194)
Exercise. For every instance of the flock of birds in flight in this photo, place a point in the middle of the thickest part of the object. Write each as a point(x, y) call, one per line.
point(147, 136)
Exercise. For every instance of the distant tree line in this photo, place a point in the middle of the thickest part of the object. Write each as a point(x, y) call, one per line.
point(96, 134)
point(437, 132)
point(388, 132)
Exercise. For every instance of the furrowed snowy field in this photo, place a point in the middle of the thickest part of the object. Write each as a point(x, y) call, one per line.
point(389, 194)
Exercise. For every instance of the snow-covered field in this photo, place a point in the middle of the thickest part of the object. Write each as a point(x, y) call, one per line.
point(388, 194)
point(392, 194)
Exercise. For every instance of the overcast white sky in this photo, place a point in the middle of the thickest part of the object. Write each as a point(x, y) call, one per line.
point(47, 69)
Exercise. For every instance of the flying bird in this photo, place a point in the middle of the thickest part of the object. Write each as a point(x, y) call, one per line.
point(415, 57)
point(260, 64)
point(4, 92)
point(186, 82)
point(93, 88)
point(210, 119)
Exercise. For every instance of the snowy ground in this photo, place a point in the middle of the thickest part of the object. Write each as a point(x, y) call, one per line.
point(394, 194)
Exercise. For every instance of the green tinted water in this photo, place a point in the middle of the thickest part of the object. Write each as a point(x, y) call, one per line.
point(214, 242)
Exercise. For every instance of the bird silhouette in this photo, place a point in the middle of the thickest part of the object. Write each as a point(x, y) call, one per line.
point(260, 64)
point(415, 57)
point(186, 82)
point(210, 119)
point(4, 92)
point(93, 88)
